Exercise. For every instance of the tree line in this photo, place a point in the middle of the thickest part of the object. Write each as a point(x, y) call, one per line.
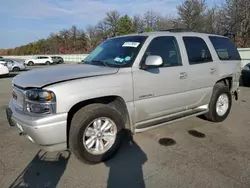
point(233, 16)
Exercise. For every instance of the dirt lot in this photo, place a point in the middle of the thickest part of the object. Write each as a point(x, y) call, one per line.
point(190, 153)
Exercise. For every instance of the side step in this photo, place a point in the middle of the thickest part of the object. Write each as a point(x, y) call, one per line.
point(169, 120)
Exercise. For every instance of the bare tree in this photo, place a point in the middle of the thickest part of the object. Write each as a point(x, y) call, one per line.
point(112, 18)
point(164, 23)
point(192, 14)
point(150, 19)
point(138, 23)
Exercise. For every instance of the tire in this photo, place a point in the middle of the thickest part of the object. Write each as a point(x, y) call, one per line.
point(16, 69)
point(219, 90)
point(30, 63)
point(47, 63)
point(245, 81)
point(79, 124)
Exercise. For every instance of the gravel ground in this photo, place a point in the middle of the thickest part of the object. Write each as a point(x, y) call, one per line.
point(190, 153)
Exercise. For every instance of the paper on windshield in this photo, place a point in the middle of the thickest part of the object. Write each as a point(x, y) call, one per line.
point(131, 44)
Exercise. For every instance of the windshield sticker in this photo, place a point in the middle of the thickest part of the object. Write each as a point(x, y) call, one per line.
point(118, 59)
point(127, 58)
point(131, 44)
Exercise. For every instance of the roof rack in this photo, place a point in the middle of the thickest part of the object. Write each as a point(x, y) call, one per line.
point(178, 30)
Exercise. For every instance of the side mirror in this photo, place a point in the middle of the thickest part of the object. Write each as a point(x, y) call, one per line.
point(152, 61)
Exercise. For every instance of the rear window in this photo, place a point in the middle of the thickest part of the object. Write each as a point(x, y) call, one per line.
point(197, 50)
point(225, 49)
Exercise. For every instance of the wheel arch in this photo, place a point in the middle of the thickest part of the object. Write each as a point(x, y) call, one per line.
point(114, 101)
point(227, 81)
point(15, 67)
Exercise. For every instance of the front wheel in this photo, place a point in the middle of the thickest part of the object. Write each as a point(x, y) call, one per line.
point(47, 63)
point(220, 104)
point(96, 133)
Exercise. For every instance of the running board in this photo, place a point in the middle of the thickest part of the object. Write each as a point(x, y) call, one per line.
point(169, 120)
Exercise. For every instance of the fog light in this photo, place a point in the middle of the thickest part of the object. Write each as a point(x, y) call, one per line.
point(38, 108)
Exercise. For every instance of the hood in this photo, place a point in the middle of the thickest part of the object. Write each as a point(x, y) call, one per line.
point(45, 76)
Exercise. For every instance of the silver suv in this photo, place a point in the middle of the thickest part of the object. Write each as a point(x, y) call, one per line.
point(134, 82)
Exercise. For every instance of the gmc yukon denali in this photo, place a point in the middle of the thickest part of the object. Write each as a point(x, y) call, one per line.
point(135, 82)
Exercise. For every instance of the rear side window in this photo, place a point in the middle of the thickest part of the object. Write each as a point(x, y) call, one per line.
point(166, 47)
point(197, 50)
point(225, 49)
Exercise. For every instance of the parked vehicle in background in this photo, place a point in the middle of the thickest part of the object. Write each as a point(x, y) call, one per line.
point(135, 82)
point(245, 75)
point(13, 65)
point(4, 71)
point(1, 57)
point(57, 59)
point(39, 60)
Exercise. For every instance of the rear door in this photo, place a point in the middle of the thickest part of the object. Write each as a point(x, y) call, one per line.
point(202, 69)
point(42, 60)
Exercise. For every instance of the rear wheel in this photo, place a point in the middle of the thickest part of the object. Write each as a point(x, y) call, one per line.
point(220, 104)
point(96, 133)
point(30, 63)
point(16, 69)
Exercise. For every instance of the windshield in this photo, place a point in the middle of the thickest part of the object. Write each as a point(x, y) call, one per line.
point(116, 52)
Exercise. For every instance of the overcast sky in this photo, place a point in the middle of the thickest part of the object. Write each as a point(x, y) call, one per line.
point(25, 21)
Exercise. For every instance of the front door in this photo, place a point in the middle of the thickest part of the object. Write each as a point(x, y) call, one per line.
point(37, 60)
point(161, 91)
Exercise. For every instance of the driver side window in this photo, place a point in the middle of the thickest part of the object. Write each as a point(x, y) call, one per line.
point(166, 47)
point(9, 62)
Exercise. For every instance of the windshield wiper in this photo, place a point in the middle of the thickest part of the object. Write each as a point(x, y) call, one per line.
point(100, 62)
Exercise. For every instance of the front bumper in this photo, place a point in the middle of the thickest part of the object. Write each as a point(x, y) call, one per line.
point(48, 132)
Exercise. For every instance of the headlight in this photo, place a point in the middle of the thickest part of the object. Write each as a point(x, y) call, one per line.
point(40, 102)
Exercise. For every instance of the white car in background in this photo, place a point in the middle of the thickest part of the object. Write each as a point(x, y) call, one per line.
point(38, 60)
point(14, 65)
point(4, 70)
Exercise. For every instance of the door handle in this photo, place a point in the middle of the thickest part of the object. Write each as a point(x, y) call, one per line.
point(183, 75)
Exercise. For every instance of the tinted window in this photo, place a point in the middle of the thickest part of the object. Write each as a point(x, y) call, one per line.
point(197, 50)
point(166, 47)
point(225, 49)
point(8, 61)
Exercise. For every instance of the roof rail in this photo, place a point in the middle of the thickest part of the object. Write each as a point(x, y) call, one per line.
point(178, 30)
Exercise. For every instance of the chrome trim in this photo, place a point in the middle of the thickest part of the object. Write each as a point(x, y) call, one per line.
point(25, 100)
